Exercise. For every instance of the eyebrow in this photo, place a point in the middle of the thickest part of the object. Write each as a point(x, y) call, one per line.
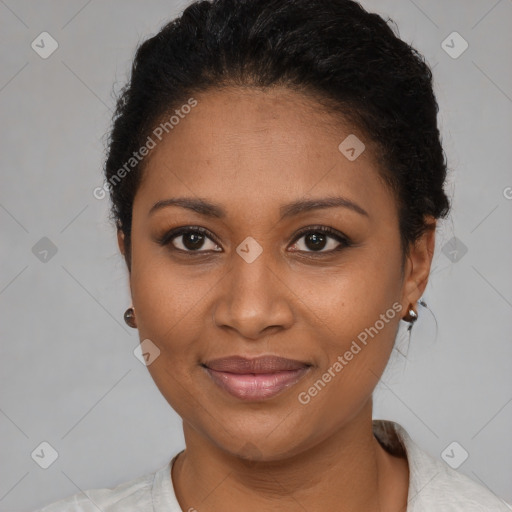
point(209, 209)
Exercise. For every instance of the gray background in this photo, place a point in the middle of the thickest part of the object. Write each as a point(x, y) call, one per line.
point(68, 373)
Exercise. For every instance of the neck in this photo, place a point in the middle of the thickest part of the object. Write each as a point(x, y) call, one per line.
point(348, 470)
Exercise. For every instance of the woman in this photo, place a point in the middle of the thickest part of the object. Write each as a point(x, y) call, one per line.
point(276, 176)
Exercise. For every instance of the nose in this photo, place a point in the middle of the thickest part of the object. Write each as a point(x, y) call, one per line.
point(253, 299)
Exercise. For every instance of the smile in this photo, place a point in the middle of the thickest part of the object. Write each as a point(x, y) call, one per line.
point(253, 386)
point(255, 379)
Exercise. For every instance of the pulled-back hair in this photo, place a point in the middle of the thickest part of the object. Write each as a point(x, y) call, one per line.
point(349, 60)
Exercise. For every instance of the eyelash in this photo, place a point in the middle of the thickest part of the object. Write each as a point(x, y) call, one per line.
point(168, 237)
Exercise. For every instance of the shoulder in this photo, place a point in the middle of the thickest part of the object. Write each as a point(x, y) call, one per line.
point(433, 485)
point(133, 495)
point(452, 491)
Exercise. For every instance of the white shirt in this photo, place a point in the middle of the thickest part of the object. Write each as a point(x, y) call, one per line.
point(433, 486)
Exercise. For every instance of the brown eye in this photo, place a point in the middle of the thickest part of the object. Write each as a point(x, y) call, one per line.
point(190, 239)
point(319, 238)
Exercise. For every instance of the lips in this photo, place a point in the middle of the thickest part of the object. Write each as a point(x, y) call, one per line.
point(255, 379)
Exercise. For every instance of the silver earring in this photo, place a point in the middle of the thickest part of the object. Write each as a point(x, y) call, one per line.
point(411, 315)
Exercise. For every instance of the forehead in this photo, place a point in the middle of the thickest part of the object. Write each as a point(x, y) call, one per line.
point(251, 147)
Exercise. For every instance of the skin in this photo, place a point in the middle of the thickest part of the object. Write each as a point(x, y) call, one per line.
point(252, 152)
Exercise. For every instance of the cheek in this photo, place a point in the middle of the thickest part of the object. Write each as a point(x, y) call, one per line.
point(163, 294)
point(350, 297)
point(167, 306)
point(357, 311)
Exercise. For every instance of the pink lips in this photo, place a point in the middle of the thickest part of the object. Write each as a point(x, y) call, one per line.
point(255, 379)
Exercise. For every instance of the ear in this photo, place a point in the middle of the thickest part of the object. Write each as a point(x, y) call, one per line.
point(120, 241)
point(417, 265)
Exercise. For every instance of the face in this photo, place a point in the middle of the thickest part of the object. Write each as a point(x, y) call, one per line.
point(248, 274)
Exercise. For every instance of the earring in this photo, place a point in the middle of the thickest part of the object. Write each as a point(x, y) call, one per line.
point(129, 317)
point(411, 315)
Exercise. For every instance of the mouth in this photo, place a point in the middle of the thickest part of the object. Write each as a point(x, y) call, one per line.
point(255, 379)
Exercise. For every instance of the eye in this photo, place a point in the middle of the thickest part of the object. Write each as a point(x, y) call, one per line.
point(190, 239)
point(317, 238)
